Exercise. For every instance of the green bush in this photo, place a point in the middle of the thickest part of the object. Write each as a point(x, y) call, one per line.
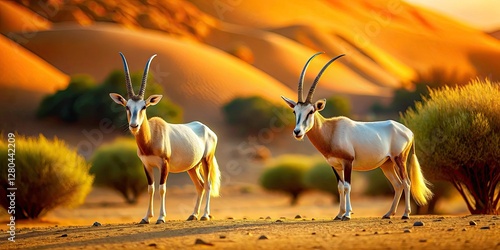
point(47, 175)
point(286, 174)
point(84, 100)
point(62, 103)
point(457, 133)
point(251, 114)
point(337, 106)
point(118, 167)
point(322, 177)
point(377, 184)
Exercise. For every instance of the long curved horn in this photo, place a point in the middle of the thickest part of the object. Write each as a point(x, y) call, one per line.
point(313, 87)
point(145, 77)
point(301, 79)
point(128, 81)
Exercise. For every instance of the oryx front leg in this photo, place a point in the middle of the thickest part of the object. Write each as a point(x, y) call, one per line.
point(151, 192)
point(163, 190)
point(198, 184)
point(347, 165)
point(340, 188)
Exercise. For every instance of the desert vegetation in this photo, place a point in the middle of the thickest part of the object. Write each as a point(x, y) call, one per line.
point(251, 114)
point(48, 175)
point(457, 133)
point(285, 174)
point(84, 100)
point(337, 106)
point(117, 166)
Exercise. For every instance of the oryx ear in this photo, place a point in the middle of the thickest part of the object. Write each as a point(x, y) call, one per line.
point(153, 100)
point(118, 99)
point(290, 103)
point(320, 105)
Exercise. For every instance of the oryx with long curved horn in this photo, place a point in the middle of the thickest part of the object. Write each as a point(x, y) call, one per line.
point(351, 145)
point(173, 148)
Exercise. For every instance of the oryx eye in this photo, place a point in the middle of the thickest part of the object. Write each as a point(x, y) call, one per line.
point(127, 108)
point(143, 108)
point(294, 112)
point(310, 112)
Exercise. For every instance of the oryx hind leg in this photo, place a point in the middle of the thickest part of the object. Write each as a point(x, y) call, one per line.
point(392, 176)
point(198, 184)
point(403, 174)
point(207, 187)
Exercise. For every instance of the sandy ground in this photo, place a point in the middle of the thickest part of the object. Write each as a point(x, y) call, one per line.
point(241, 217)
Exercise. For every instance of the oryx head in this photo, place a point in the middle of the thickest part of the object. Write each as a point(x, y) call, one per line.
point(304, 110)
point(135, 104)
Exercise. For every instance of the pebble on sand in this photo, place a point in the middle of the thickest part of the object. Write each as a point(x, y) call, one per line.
point(202, 242)
point(418, 224)
point(64, 235)
point(97, 224)
point(298, 216)
point(263, 237)
point(486, 227)
point(407, 230)
point(472, 223)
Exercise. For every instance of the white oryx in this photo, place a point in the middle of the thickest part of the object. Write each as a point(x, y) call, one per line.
point(171, 148)
point(351, 145)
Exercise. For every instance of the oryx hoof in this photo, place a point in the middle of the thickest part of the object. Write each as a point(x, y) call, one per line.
point(160, 221)
point(345, 218)
point(386, 217)
point(205, 218)
point(192, 217)
point(143, 221)
point(405, 217)
point(337, 218)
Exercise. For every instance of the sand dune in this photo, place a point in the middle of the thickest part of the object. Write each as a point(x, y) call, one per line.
point(284, 59)
point(23, 70)
point(196, 76)
point(15, 18)
point(402, 39)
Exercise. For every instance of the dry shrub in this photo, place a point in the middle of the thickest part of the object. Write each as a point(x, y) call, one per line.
point(48, 174)
point(118, 167)
point(457, 133)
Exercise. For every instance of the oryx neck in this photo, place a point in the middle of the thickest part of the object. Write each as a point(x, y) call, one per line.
point(317, 136)
point(143, 137)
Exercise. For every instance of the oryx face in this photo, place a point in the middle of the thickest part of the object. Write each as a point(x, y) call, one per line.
point(304, 115)
point(136, 109)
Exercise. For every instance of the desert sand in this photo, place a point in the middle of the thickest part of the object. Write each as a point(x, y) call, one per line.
point(242, 219)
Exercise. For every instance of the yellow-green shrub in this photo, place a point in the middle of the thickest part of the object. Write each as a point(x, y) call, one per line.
point(285, 174)
point(48, 174)
point(457, 132)
point(322, 177)
point(118, 167)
